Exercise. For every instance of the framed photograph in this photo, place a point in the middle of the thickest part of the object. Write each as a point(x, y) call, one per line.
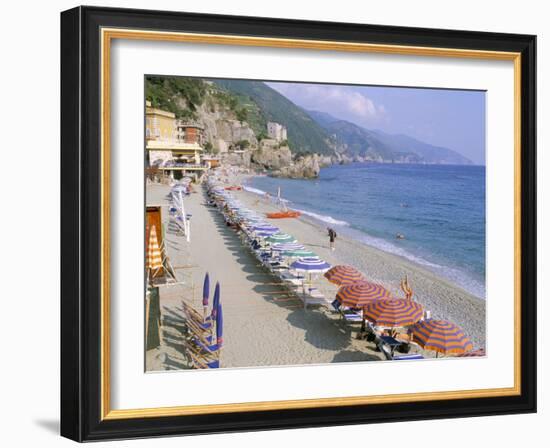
point(277, 224)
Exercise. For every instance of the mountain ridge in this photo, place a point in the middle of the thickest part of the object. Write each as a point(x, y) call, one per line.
point(400, 146)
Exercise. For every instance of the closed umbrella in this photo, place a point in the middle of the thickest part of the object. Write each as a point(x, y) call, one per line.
point(441, 336)
point(361, 293)
point(215, 306)
point(343, 275)
point(215, 300)
point(219, 327)
point(393, 312)
point(153, 256)
point(205, 293)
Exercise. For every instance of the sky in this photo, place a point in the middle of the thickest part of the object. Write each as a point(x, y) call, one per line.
point(454, 119)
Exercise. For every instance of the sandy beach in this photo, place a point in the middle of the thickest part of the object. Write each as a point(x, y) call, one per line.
point(264, 325)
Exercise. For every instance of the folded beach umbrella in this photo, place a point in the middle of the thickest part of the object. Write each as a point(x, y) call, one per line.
point(281, 238)
point(215, 300)
point(153, 256)
point(310, 264)
point(280, 247)
point(343, 275)
point(205, 292)
point(393, 312)
point(441, 336)
point(219, 326)
point(361, 293)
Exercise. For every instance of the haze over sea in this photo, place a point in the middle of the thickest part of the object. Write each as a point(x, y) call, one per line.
point(440, 210)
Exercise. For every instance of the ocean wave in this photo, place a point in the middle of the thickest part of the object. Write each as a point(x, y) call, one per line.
point(455, 275)
point(324, 218)
point(254, 190)
point(386, 246)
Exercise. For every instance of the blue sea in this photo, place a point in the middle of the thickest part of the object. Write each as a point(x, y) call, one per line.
point(439, 209)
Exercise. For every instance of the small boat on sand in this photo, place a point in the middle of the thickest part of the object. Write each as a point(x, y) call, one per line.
point(234, 188)
point(283, 214)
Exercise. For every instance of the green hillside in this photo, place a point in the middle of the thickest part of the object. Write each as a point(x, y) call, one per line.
point(168, 93)
point(304, 134)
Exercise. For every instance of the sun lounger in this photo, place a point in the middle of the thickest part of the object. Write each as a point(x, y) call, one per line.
point(407, 357)
point(312, 296)
point(199, 360)
point(195, 317)
point(345, 313)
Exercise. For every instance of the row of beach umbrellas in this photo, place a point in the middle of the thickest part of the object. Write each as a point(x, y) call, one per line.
point(383, 310)
point(379, 306)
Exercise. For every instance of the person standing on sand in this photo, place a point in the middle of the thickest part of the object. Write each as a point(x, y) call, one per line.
point(331, 237)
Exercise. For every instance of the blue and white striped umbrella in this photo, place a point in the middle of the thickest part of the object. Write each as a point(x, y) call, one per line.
point(265, 228)
point(287, 246)
point(310, 264)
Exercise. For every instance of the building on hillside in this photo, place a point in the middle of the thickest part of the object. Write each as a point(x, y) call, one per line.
point(173, 147)
point(159, 124)
point(276, 131)
point(190, 132)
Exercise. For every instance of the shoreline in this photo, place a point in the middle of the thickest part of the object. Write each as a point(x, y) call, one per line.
point(442, 297)
point(455, 276)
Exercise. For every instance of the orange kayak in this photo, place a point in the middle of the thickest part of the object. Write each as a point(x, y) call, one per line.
point(287, 214)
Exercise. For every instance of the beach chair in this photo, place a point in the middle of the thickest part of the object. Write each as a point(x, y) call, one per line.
point(197, 319)
point(408, 356)
point(202, 340)
point(312, 296)
point(346, 314)
point(199, 360)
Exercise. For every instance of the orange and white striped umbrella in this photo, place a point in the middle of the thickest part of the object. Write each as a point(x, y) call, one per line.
point(153, 257)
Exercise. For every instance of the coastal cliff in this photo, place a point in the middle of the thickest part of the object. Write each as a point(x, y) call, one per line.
point(236, 114)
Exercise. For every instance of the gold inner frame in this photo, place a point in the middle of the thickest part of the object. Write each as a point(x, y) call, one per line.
point(107, 35)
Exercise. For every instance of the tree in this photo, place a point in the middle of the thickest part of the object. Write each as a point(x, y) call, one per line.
point(242, 114)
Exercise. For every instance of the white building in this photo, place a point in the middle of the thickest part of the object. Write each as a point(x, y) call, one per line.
point(276, 131)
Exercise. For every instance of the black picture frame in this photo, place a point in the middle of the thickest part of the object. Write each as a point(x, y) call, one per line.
point(81, 224)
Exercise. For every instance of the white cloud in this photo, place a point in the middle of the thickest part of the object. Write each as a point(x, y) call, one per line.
point(340, 101)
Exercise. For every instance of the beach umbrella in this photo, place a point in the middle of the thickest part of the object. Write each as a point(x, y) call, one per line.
point(393, 312)
point(265, 228)
point(310, 265)
point(264, 234)
point(153, 256)
point(299, 253)
point(216, 300)
point(281, 238)
point(205, 293)
point(473, 353)
point(219, 326)
point(441, 336)
point(287, 246)
point(343, 275)
point(361, 293)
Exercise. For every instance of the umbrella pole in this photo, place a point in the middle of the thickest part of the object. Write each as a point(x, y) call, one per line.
point(147, 309)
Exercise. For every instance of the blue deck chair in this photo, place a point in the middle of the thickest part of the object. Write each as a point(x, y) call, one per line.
point(345, 313)
point(407, 357)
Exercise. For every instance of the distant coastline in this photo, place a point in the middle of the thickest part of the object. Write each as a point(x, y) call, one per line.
point(321, 218)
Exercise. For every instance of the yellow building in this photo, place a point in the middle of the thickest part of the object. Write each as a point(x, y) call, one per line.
point(159, 124)
point(171, 151)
